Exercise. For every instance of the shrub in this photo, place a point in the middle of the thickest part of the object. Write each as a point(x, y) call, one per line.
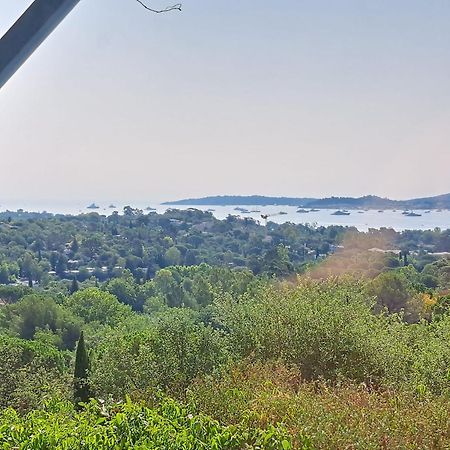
point(131, 426)
point(326, 329)
point(340, 416)
point(30, 373)
point(173, 350)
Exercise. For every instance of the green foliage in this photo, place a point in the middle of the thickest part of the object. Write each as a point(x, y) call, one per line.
point(197, 286)
point(436, 274)
point(172, 256)
point(168, 354)
point(47, 247)
point(339, 361)
point(94, 305)
point(442, 307)
point(391, 290)
point(328, 330)
point(11, 294)
point(129, 292)
point(131, 426)
point(30, 373)
point(429, 357)
point(277, 261)
point(331, 416)
point(8, 272)
point(34, 315)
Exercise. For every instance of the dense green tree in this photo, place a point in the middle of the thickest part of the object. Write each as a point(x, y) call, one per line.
point(392, 291)
point(277, 262)
point(172, 256)
point(30, 269)
point(94, 305)
point(442, 307)
point(30, 373)
point(38, 246)
point(34, 313)
point(11, 294)
point(128, 291)
point(167, 354)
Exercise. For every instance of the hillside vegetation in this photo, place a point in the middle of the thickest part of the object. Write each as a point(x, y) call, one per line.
point(347, 351)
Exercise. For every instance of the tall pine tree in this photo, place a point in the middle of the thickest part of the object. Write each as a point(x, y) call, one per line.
point(81, 392)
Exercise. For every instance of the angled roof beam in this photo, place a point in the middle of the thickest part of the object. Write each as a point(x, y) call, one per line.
point(29, 32)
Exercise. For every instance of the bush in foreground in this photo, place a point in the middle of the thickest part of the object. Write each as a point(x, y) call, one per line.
point(130, 426)
point(334, 417)
point(328, 330)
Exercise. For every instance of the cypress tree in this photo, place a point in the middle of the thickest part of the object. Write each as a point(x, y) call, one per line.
point(405, 258)
point(74, 245)
point(74, 286)
point(81, 391)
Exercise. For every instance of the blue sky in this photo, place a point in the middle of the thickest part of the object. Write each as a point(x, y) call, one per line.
point(298, 98)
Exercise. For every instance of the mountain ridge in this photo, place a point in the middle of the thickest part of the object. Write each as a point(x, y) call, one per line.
point(364, 202)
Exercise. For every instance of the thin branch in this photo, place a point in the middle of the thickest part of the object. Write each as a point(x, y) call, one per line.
point(176, 7)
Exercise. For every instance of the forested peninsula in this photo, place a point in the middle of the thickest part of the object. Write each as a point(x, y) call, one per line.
point(366, 202)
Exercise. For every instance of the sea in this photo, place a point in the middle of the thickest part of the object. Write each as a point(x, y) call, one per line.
point(362, 220)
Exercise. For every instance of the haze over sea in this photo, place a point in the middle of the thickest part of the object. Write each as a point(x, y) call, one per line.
point(362, 220)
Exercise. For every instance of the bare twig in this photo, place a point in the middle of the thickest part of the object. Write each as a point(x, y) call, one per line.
point(176, 7)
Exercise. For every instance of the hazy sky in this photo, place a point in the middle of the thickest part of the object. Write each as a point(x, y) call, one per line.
point(297, 98)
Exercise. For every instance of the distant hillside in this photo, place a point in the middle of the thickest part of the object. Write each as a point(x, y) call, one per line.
point(366, 202)
point(440, 201)
point(228, 200)
point(374, 202)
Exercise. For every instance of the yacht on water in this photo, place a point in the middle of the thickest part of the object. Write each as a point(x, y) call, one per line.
point(340, 213)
